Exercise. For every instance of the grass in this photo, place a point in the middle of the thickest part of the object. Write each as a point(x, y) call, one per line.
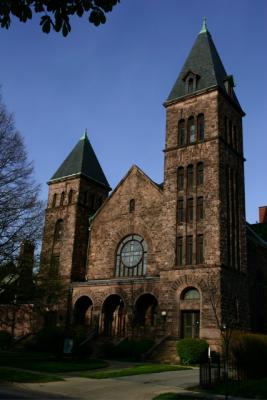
point(250, 389)
point(12, 375)
point(136, 370)
point(177, 396)
point(41, 363)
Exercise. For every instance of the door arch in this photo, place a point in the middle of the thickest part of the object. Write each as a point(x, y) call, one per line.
point(113, 316)
point(83, 311)
point(146, 310)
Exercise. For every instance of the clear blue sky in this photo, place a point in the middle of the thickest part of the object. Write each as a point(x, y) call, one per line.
point(113, 80)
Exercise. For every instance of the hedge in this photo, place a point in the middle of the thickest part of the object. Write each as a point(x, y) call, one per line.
point(192, 351)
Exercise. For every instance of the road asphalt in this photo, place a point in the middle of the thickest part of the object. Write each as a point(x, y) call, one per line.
point(136, 387)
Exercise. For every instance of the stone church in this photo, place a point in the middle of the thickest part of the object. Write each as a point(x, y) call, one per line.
point(164, 260)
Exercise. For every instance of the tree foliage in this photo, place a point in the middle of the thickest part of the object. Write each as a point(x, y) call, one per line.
point(55, 14)
point(21, 212)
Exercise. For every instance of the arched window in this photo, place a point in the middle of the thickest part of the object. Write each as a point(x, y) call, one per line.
point(131, 259)
point(58, 230)
point(180, 178)
point(189, 250)
point(200, 209)
point(200, 127)
point(70, 197)
point(200, 173)
point(190, 210)
point(190, 294)
point(62, 198)
point(191, 130)
point(131, 205)
point(54, 201)
point(190, 177)
point(200, 249)
point(181, 133)
point(190, 85)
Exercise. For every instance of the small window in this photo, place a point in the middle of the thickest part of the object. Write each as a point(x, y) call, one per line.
point(180, 211)
point(58, 230)
point(200, 127)
point(190, 85)
point(54, 264)
point(200, 174)
point(191, 130)
point(54, 201)
point(189, 250)
point(180, 251)
point(132, 205)
point(190, 294)
point(190, 177)
point(70, 197)
point(62, 198)
point(200, 209)
point(180, 178)
point(190, 210)
point(200, 249)
point(181, 133)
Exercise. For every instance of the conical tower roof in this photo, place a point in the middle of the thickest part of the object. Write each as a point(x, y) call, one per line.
point(82, 161)
point(203, 61)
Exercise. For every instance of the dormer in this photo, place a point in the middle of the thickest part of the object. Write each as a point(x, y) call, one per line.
point(190, 79)
point(229, 84)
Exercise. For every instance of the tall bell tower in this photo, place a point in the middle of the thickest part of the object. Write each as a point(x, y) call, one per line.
point(76, 191)
point(204, 173)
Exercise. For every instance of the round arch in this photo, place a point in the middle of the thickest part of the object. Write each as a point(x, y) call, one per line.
point(83, 310)
point(113, 316)
point(146, 309)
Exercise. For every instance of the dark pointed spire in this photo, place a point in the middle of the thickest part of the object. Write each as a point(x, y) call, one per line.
point(82, 161)
point(205, 64)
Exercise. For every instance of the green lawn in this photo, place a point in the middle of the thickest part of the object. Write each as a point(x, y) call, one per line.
point(136, 370)
point(41, 363)
point(250, 389)
point(176, 396)
point(12, 375)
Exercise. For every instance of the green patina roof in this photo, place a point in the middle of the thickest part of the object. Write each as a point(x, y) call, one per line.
point(204, 61)
point(82, 161)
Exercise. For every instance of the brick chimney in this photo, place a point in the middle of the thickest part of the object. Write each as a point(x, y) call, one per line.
point(263, 215)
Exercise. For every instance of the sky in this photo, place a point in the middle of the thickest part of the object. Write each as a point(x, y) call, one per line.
point(113, 80)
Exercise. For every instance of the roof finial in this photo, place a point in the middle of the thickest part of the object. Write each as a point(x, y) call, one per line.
point(204, 28)
point(84, 136)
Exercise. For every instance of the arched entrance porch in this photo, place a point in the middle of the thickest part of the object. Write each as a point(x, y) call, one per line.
point(83, 311)
point(113, 317)
point(146, 310)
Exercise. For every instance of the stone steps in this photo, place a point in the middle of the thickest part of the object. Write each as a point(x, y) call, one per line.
point(165, 353)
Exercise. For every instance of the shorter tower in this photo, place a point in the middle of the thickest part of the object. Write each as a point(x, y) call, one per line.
point(76, 191)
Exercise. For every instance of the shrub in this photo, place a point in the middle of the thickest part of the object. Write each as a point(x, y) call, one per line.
point(250, 354)
point(49, 340)
point(192, 351)
point(5, 340)
point(131, 349)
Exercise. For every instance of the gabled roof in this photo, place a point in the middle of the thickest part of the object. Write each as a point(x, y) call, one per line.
point(204, 61)
point(82, 161)
point(158, 187)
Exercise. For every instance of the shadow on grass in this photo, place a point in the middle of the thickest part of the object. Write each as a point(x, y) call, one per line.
point(135, 370)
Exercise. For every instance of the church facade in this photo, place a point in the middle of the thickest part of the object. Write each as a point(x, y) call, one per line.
point(169, 259)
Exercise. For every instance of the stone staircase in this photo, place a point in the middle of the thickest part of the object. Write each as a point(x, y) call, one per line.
point(165, 352)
